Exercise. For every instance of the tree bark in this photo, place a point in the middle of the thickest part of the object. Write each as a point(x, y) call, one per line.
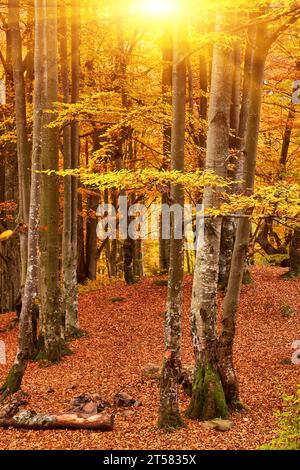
point(229, 223)
point(208, 400)
point(50, 292)
point(169, 415)
point(69, 242)
point(138, 260)
point(203, 108)
point(25, 346)
point(91, 226)
point(21, 127)
point(29, 420)
point(164, 244)
point(288, 129)
point(10, 250)
point(231, 303)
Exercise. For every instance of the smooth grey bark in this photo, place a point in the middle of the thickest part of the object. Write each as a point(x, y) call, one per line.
point(231, 303)
point(164, 244)
point(50, 292)
point(169, 414)
point(25, 346)
point(208, 400)
point(229, 223)
point(70, 237)
point(295, 241)
point(93, 200)
point(10, 264)
point(21, 127)
point(203, 108)
point(245, 103)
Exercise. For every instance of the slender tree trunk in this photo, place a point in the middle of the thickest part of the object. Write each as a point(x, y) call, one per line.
point(29, 74)
point(69, 242)
point(229, 223)
point(295, 241)
point(287, 138)
point(208, 399)
point(50, 292)
point(25, 347)
point(21, 125)
point(237, 142)
point(10, 250)
point(203, 108)
point(77, 204)
point(91, 238)
point(245, 104)
point(164, 244)
point(91, 226)
point(138, 261)
point(288, 129)
point(169, 415)
point(231, 303)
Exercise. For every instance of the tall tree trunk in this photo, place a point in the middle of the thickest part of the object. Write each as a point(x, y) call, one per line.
point(70, 236)
point(50, 293)
point(231, 303)
point(164, 244)
point(288, 129)
point(169, 415)
point(295, 241)
point(21, 126)
point(208, 399)
point(245, 104)
point(203, 107)
point(91, 226)
point(25, 347)
point(228, 223)
point(10, 250)
point(77, 210)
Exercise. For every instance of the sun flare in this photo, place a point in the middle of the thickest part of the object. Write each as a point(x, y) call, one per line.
point(158, 8)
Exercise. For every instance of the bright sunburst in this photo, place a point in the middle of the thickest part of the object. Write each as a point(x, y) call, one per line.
point(160, 8)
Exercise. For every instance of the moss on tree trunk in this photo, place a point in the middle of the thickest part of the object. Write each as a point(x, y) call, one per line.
point(169, 415)
point(208, 398)
point(13, 381)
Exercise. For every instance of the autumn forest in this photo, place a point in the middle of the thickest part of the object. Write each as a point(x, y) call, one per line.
point(149, 226)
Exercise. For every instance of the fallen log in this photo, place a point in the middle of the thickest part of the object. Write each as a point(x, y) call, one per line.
point(25, 419)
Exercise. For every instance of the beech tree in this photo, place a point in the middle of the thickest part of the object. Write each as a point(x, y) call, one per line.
point(208, 399)
point(51, 317)
point(26, 343)
point(71, 161)
point(21, 127)
point(10, 262)
point(169, 415)
point(263, 41)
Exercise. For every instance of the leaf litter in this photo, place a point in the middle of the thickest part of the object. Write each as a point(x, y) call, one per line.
point(122, 338)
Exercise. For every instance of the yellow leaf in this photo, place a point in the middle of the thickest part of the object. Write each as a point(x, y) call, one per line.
point(6, 235)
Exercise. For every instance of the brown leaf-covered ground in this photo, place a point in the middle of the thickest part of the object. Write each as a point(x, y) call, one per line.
point(123, 337)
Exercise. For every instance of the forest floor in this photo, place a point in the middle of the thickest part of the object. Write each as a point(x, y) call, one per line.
point(122, 338)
